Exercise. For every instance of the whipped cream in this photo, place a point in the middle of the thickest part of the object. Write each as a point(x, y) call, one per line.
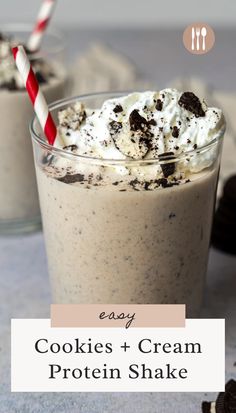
point(10, 78)
point(144, 126)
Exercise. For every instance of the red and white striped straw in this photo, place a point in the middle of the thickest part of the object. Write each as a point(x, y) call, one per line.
point(35, 94)
point(43, 19)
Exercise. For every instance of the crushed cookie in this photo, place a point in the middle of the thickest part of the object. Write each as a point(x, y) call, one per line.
point(159, 105)
point(167, 168)
point(71, 148)
point(190, 102)
point(175, 132)
point(137, 122)
point(71, 179)
point(118, 109)
point(114, 127)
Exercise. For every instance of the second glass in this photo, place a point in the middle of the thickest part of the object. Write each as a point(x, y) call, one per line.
point(19, 205)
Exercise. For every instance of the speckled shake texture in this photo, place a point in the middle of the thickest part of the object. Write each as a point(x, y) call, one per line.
point(109, 246)
point(18, 189)
point(136, 230)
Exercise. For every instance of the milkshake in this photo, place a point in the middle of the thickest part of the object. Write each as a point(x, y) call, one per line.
point(19, 206)
point(127, 197)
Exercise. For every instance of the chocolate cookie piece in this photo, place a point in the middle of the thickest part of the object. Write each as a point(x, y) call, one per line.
point(137, 122)
point(191, 102)
point(224, 224)
point(71, 148)
point(159, 105)
point(226, 214)
point(167, 168)
point(164, 183)
point(118, 109)
point(71, 179)
point(227, 203)
point(206, 407)
point(114, 127)
point(230, 189)
point(223, 238)
point(135, 183)
point(175, 132)
point(223, 242)
point(227, 208)
point(225, 402)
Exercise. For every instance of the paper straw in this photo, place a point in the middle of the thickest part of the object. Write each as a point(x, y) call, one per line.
point(35, 94)
point(43, 19)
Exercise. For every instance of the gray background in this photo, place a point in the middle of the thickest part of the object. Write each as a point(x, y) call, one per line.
point(126, 13)
point(160, 56)
point(24, 285)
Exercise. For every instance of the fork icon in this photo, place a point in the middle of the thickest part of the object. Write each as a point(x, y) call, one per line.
point(198, 32)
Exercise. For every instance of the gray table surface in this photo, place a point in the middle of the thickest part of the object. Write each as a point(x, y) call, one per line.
point(24, 286)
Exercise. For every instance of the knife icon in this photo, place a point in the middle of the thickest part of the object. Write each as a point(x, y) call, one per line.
point(193, 38)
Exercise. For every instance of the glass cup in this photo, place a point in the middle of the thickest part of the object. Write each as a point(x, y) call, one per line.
point(118, 243)
point(19, 205)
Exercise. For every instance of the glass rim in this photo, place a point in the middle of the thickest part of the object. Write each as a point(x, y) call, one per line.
point(26, 27)
point(65, 154)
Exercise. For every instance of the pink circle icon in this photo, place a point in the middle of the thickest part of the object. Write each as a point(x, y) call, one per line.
point(199, 38)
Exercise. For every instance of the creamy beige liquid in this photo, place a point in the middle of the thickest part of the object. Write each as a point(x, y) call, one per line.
point(107, 246)
point(18, 189)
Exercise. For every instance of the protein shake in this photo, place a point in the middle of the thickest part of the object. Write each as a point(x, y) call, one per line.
point(19, 206)
point(127, 197)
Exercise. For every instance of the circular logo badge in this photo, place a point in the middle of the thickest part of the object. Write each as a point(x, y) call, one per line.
point(199, 38)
